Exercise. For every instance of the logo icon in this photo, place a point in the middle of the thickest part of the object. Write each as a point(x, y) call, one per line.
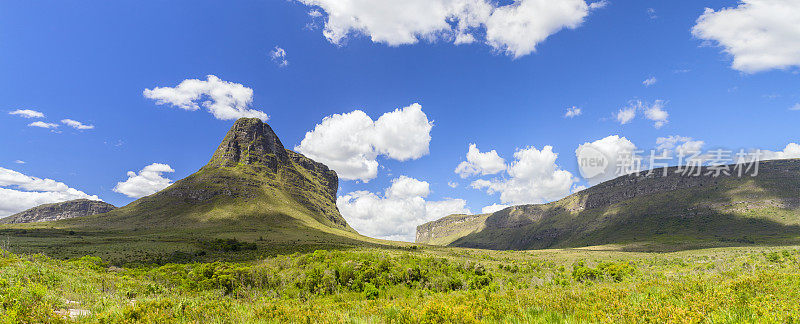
point(592, 162)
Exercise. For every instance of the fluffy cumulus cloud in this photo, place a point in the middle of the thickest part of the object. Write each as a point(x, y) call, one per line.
point(649, 81)
point(147, 182)
point(76, 124)
point(791, 151)
point(350, 143)
point(225, 100)
point(613, 149)
point(396, 214)
point(514, 29)
point(27, 113)
point(278, 55)
point(19, 192)
point(533, 177)
point(573, 112)
point(760, 35)
point(480, 163)
point(654, 112)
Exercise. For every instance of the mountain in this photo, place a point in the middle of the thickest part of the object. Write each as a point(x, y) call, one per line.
point(252, 189)
point(643, 212)
point(58, 211)
point(250, 174)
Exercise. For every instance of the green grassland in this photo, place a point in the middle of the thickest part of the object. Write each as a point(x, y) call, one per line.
point(413, 285)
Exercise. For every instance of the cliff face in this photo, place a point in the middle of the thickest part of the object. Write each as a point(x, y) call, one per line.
point(59, 211)
point(642, 208)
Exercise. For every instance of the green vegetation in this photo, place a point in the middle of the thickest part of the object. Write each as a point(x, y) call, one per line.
point(431, 285)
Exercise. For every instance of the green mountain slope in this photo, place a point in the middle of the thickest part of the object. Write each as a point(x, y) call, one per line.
point(643, 213)
point(252, 189)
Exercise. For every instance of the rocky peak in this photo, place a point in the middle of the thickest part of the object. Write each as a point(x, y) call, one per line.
point(252, 142)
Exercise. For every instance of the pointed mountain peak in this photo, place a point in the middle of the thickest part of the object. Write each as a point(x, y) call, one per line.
point(252, 142)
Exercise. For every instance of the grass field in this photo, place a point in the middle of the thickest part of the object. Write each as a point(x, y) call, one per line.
point(420, 284)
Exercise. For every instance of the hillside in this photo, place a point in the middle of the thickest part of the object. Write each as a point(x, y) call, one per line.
point(252, 189)
point(643, 213)
point(59, 211)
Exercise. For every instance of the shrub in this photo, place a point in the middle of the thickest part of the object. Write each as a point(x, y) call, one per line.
point(616, 270)
point(582, 273)
point(370, 291)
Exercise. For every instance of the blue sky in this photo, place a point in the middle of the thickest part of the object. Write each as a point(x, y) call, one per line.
point(92, 62)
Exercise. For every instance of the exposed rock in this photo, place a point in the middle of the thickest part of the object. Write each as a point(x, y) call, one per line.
point(59, 211)
point(251, 142)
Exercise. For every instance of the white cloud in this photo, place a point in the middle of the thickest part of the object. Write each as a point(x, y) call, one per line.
point(651, 13)
point(350, 143)
point(27, 113)
point(626, 115)
point(650, 81)
point(225, 100)
point(19, 162)
point(42, 124)
point(147, 182)
point(76, 124)
point(613, 148)
point(657, 114)
point(278, 56)
point(791, 151)
point(19, 192)
point(599, 4)
point(654, 112)
point(396, 214)
point(573, 112)
point(515, 28)
point(315, 13)
point(452, 184)
point(796, 107)
point(679, 145)
point(760, 34)
point(480, 163)
point(493, 208)
point(534, 178)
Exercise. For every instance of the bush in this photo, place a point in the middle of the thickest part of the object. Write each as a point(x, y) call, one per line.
point(582, 273)
point(616, 271)
point(370, 291)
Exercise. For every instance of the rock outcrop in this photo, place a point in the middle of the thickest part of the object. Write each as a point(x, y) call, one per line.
point(59, 211)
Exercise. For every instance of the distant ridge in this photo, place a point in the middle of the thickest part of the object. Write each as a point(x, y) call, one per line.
point(59, 211)
point(653, 210)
